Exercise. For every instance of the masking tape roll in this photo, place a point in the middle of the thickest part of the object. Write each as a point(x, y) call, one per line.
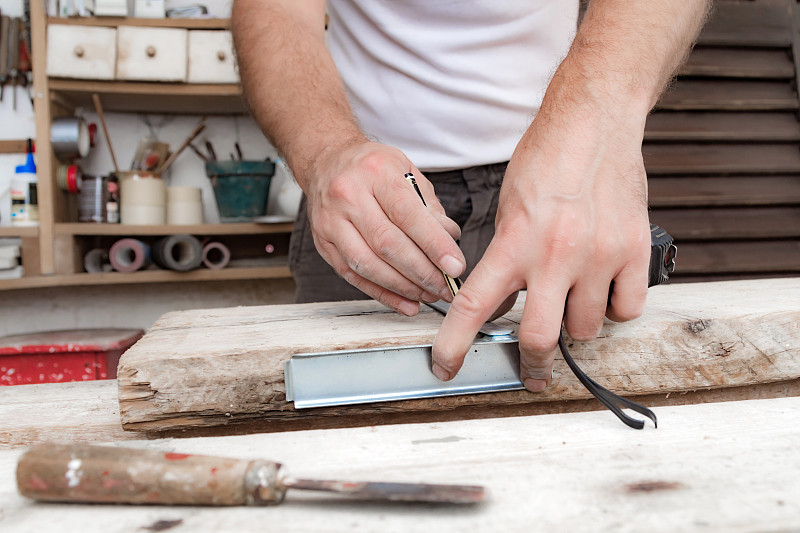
point(216, 255)
point(129, 255)
point(184, 194)
point(143, 191)
point(178, 252)
point(183, 213)
point(96, 260)
point(142, 215)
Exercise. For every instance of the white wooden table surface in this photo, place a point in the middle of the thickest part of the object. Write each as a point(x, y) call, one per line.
point(728, 467)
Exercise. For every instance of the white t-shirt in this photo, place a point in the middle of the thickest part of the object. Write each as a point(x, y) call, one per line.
point(452, 83)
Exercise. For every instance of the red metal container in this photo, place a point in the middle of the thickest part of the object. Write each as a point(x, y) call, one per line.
point(59, 356)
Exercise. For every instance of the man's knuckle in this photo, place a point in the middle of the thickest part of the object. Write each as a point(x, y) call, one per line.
point(535, 342)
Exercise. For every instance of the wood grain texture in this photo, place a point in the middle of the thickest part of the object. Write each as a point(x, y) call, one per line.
point(729, 95)
point(729, 223)
point(699, 126)
point(739, 63)
point(766, 23)
point(695, 191)
point(737, 257)
point(219, 367)
point(734, 158)
point(723, 467)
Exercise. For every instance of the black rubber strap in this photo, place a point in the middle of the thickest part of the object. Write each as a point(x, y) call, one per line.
point(606, 397)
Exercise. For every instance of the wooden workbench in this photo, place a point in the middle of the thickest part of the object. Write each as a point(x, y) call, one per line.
point(724, 467)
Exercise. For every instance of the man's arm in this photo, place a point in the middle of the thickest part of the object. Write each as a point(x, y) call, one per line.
point(366, 220)
point(573, 207)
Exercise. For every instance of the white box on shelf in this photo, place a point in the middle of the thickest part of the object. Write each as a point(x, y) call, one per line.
point(150, 9)
point(211, 58)
point(111, 8)
point(151, 54)
point(81, 52)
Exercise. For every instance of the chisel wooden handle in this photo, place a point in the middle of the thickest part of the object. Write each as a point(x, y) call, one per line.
point(101, 474)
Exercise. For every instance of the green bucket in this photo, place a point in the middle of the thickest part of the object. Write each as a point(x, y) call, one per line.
point(241, 188)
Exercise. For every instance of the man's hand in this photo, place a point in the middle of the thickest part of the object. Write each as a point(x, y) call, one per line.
point(572, 218)
point(572, 215)
point(371, 226)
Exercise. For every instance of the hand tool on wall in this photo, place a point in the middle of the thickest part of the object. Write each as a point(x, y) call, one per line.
point(13, 58)
point(98, 106)
point(83, 473)
point(5, 24)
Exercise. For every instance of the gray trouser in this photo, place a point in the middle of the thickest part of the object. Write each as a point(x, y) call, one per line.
point(469, 197)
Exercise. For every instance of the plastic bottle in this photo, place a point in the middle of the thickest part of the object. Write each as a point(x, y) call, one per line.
point(24, 199)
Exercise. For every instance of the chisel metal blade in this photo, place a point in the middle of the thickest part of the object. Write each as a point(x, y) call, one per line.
point(396, 492)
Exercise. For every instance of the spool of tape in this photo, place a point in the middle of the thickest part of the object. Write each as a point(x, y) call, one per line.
point(96, 260)
point(184, 213)
point(178, 252)
point(142, 215)
point(216, 255)
point(70, 138)
point(184, 194)
point(140, 189)
point(129, 255)
point(69, 178)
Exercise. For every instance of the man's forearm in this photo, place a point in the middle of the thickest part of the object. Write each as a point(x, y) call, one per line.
point(290, 81)
point(625, 53)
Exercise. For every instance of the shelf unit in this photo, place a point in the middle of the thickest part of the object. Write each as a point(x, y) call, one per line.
point(51, 251)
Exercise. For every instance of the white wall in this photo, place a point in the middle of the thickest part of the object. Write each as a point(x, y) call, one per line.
point(128, 306)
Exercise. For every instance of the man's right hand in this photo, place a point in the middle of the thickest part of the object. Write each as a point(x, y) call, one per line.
point(371, 227)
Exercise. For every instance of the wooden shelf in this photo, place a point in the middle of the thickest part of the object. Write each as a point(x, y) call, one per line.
point(14, 231)
point(172, 98)
point(201, 229)
point(190, 24)
point(146, 276)
point(14, 146)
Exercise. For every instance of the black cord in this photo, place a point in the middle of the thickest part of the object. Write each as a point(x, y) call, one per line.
point(606, 397)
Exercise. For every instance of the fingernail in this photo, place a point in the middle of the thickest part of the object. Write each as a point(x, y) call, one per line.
point(452, 265)
point(440, 372)
point(535, 385)
point(408, 308)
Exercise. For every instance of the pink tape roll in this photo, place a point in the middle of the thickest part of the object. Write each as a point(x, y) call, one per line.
point(216, 255)
point(129, 255)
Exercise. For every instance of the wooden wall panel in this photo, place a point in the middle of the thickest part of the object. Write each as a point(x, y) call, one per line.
point(722, 150)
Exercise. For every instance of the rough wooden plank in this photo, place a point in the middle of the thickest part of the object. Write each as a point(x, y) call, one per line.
point(713, 467)
point(739, 158)
point(89, 412)
point(723, 191)
point(79, 412)
point(218, 367)
point(729, 95)
point(722, 126)
point(747, 23)
point(739, 63)
point(738, 257)
point(729, 223)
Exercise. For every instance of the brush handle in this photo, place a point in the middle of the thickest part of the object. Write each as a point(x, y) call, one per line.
point(103, 474)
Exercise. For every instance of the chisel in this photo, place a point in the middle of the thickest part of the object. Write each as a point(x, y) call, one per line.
point(83, 473)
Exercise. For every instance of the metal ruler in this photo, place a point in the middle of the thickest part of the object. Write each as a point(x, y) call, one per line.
point(398, 373)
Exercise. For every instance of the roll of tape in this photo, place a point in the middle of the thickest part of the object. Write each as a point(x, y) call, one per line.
point(70, 138)
point(184, 194)
point(96, 260)
point(184, 213)
point(129, 255)
point(69, 178)
point(216, 255)
point(142, 215)
point(135, 190)
point(178, 252)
